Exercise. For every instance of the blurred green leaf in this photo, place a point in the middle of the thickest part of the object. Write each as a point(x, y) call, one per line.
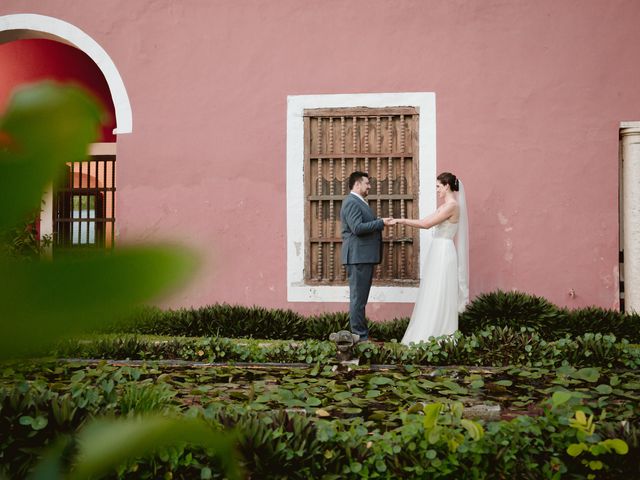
point(45, 300)
point(205, 473)
point(44, 126)
point(50, 466)
point(108, 443)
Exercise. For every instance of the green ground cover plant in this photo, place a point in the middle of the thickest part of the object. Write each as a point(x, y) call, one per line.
point(493, 346)
point(355, 424)
point(361, 391)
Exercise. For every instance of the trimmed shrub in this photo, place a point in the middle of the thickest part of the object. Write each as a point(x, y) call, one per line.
point(517, 310)
point(495, 309)
point(230, 321)
point(510, 309)
point(599, 320)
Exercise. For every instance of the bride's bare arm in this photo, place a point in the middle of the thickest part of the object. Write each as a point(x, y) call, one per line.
point(445, 212)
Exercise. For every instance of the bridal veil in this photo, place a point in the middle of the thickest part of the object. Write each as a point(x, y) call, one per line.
point(462, 250)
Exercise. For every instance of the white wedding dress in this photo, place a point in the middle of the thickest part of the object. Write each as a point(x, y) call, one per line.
point(443, 291)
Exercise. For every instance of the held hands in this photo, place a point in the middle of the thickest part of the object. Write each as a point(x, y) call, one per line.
point(389, 221)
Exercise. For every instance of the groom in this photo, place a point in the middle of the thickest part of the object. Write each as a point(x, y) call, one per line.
point(361, 248)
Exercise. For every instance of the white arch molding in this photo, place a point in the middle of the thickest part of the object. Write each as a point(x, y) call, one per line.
point(27, 25)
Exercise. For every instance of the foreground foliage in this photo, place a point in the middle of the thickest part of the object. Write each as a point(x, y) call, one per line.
point(319, 423)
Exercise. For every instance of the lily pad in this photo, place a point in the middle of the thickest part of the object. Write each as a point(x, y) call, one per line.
point(587, 374)
point(504, 383)
point(342, 396)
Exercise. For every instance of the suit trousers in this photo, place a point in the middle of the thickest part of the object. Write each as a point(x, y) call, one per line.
point(360, 278)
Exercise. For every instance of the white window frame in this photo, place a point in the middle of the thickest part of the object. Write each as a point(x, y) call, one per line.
point(425, 103)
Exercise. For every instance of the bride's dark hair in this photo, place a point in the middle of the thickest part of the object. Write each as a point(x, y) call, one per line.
point(447, 178)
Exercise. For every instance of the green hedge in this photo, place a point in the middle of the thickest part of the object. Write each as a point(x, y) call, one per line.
point(512, 309)
point(234, 321)
point(493, 346)
point(516, 309)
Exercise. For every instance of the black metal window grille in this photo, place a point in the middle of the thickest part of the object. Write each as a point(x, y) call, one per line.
point(84, 205)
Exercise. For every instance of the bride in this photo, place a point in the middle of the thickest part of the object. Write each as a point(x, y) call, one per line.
point(444, 288)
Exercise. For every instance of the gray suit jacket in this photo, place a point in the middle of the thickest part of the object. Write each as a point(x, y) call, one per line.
point(361, 232)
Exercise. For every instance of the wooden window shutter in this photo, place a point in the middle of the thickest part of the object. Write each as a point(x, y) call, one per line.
point(382, 142)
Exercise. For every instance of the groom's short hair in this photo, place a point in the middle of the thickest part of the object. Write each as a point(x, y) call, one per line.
point(355, 177)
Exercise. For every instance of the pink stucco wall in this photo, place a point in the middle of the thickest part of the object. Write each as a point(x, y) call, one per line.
point(529, 98)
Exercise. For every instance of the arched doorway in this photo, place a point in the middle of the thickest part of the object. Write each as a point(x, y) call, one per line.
point(80, 210)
